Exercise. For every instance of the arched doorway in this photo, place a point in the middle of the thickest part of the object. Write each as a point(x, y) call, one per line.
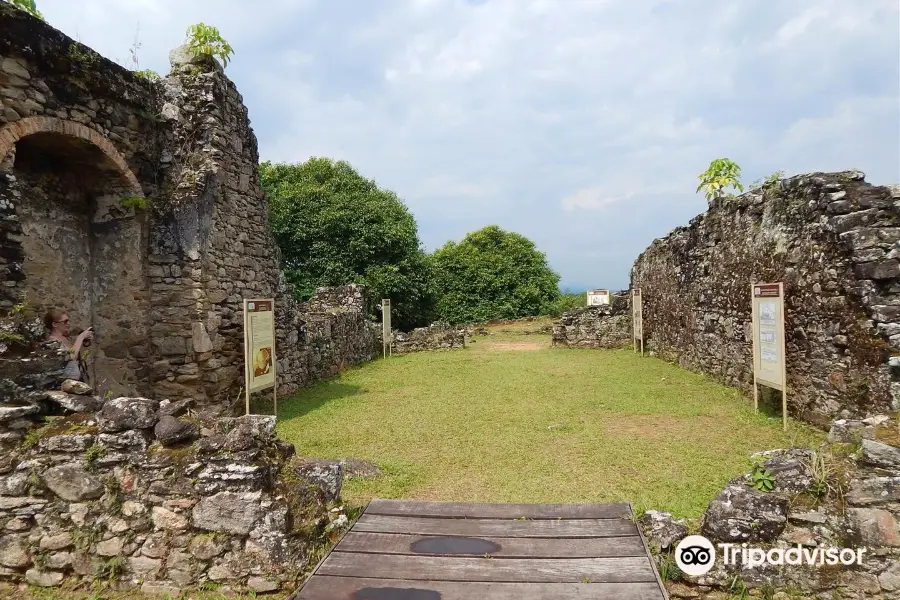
point(83, 244)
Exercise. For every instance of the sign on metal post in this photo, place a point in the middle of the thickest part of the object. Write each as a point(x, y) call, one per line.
point(637, 318)
point(598, 298)
point(259, 349)
point(386, 326)
point(769, 361)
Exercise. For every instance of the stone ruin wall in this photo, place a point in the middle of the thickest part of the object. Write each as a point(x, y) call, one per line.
point(606, 326)
point(163, 286)
point(437, 336)
point(834, 241)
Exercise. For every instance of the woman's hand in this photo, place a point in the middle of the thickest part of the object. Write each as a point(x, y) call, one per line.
point(87, 334)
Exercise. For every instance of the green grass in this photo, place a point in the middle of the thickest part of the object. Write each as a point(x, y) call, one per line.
point(499, 423)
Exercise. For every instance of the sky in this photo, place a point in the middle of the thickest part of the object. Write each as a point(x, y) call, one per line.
point(581, 124)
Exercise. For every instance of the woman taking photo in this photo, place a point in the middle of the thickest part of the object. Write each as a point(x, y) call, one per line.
point(57, 323)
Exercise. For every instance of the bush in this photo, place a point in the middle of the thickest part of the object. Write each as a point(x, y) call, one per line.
point(567, 301)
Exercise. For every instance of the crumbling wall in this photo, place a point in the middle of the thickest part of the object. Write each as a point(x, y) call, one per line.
point(163, 286)
point(606, 326)
point(834, 241)
point(437, 336)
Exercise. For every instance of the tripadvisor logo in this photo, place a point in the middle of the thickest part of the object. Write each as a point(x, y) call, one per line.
point(695, 555)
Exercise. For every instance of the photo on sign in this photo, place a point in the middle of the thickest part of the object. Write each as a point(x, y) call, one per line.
point(768, 312)
point(767, 336)
point(262, 362)
point(769, 355)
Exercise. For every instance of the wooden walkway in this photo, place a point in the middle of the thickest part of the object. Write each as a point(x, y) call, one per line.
point(412, 550)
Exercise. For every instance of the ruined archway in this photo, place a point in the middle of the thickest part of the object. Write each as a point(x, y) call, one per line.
point(83, 243)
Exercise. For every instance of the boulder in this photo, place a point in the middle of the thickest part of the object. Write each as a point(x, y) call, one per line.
point(662, 529)
point(356, 467)
point(850, 432)
point(175, 409)
point(740, 513)
point(14, 552)
point(789, 468)
point(75, 403)
point(79, 388)
point(323, 473)
point(71, 482)
point(880, 455)
point(11, 413)
point(228, 512)
point(876, 528)
point(128, 413)
point(43, 578)
point(874, 490)
point(170, 431)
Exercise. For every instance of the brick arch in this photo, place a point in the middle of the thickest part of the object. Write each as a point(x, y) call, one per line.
point(15, 131)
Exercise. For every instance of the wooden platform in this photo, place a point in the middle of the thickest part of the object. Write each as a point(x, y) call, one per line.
point(412, 550)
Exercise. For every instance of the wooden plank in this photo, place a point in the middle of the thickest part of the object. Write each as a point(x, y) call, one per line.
point(352, 588)
point(476, 510)
point(534, 570)
point(499, 547)
point(566, 528)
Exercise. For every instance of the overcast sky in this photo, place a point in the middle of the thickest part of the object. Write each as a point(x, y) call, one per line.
point(581, 124)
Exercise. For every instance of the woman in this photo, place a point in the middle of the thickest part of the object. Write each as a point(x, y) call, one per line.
point(57, 322)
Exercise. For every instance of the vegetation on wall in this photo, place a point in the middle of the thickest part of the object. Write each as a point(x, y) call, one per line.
point(335, 227)
point(567, 301)
point(492, 274)
point(721, 175)
point(205, 40)
point(29, 6)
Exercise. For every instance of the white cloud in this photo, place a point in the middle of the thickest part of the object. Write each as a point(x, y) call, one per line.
point(591, 199)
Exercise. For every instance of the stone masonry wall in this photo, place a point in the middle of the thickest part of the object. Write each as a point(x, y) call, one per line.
point(163, 286)
point(834, 241)
point(437, 336)
point(606, 326)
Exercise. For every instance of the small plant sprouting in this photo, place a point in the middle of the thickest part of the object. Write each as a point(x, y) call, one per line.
point(668, 568)
point(29, 6)
point(205, 40)
point(148, 74)
point(92, 455)
point(112, 569)
point(135, 202)
point(761, 478)
point(721, 174)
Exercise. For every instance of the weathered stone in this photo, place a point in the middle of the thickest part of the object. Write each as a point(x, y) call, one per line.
point(80, 388)
point(324, 473)
point(890, 579)
point(875, 527)
point(133, 509)
point(59, 561)
point(850, 432)
point(790, 468)
point(74, 403)
point(228, 512)
point(742, 514)
point(166, 519)
point(262, 586)
point(881, 455)
point(14, 485)
point(43, 578)
point(144, 566)
point(127, 440)
point(68, 443)
point(662, 529)
point(60, 541)
point(356, 467)
point(110, 547)
point(160, 588)
point(171, 431)
point(435, 337)
point(175, 409)
point(206, 547)
point(128, 413)
point(73, 483)
point(875, 490)
point(8, 413)
point(14, 552)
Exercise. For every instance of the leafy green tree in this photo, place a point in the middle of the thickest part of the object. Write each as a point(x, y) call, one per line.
point(492, 274)
point(28, 6)
point(205, 40)
point(721, 174)
point(567, 301)
point(336, 227)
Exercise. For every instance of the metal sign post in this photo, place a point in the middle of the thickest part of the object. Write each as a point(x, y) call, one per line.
point(386, 327)
point(260, 362)
point(769, 360)
point(637, 318)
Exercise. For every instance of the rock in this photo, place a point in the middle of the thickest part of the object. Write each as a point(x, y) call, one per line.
point(228, 512)
point(740, 513)
point(56, 542)
point(248, 431)
point(890, 579)
point(875, 527)
point(262, 586)
point(790, 468)
point(144, 566)
point(182, 56)
point(812, 517)
point(161, 588)
point(14, 485)
point(205, 547)
point(875, 490)
point(74, 403)
point(14, 552)
point(166, 519)
point(133, 509)
point(71, 482)
point(850, 432)
point(680, 590)
point(356, 467)
point(175, 409)
point(79, 388)
point(43, 578)
point(9, 413)
point(110, 547)
point(880, 455)
point(128, 413)
point(128, 440)
point(170, 431)
point(67, 443)
point(662, 529)
point(324, 473)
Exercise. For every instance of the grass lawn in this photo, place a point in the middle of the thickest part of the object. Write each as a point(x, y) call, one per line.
point(510, 419)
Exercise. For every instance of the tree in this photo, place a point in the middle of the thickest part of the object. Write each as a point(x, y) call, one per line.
point(721, 174)
point(205, 40)
point(336, 227)
point(492, 274)
point(28, 6)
